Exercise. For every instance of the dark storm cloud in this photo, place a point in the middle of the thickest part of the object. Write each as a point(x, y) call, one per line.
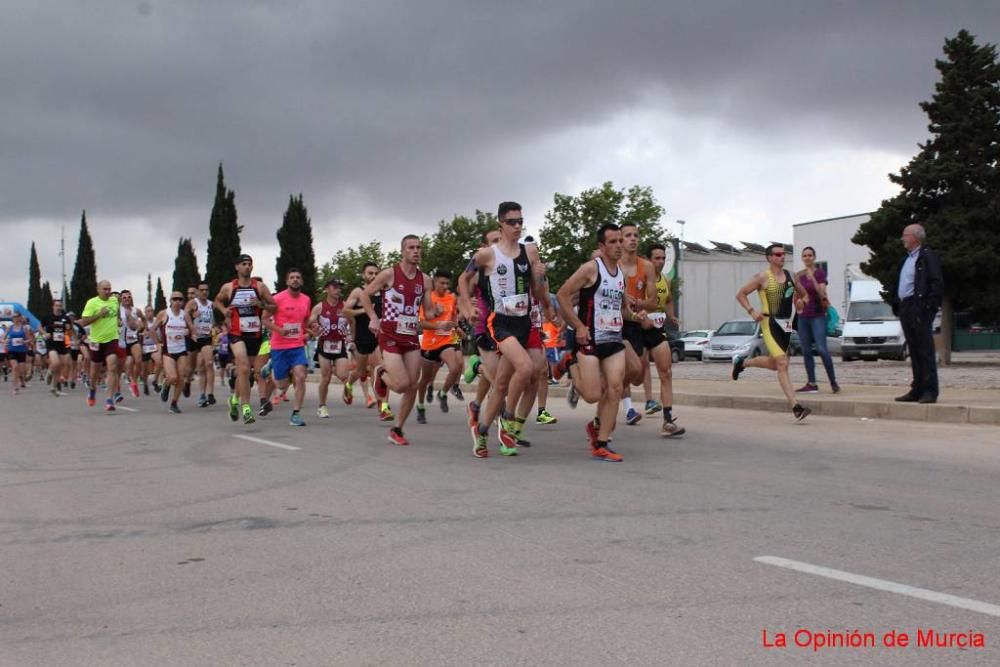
point(129, 107)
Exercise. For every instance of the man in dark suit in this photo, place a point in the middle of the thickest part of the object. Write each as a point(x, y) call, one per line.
point(916, 301)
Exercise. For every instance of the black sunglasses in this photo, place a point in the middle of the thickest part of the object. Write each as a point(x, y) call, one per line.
point(514, 221)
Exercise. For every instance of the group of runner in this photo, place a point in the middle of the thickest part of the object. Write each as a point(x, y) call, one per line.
point(398, 329)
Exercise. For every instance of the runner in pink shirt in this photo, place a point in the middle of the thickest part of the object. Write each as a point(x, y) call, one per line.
point(288, 330)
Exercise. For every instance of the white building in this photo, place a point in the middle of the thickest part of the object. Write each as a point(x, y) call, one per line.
point(835, 252)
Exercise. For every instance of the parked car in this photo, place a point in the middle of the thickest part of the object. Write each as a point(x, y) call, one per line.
point(740, 337)
point(695, 341)
point(676, 347)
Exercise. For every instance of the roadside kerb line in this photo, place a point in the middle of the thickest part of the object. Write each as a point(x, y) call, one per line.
point(122, 407)
point(883, 585)
point(268, 442)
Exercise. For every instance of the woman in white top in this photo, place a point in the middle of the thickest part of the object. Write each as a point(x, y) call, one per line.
point(177, 327)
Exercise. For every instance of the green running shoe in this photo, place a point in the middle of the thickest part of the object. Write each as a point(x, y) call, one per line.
point(545, 418)
point(471, 368)
point(248, 417)
point(234, 408)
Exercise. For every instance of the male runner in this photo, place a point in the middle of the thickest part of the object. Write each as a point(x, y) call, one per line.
point(288, 336)
point(201, 312)
point(102, 314)
point(177, 328)
point(511, 274)
point(404, 289)
point(241, 302)
point(57, 329)
point(440, 344)
point(777, 291)
point(599, 369)
point(333, 327)
point(366, 352)
point(484, 363)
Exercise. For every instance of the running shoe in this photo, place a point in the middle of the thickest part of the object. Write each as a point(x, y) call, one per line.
point(508, 451)
point(165, 393)
point(202, 402)
point(348, 393)
point(834, 387)
point(429, 398)
point(507, 436)
point(572, 397)
point(371, 402)
point(443, 401)
point(211, 399)
point(421, 415)
point(456, 391)
point(48, 378)
point(174, 409)
point(322, 412)
point(632, 417)
point(296, 420)
point(284, 396)
point(248, 417)
point(801, 412)
point(737, 366)
point(653, 407)
point(591, 430)
point(396, 437)
point(671, 429)
point(545, 418)
point(118, 397)
point(156, 386)
point(807, 388)
point(54, 389)
point(561, 368)
point(234, 408)
point(134, 388)
point(521, 442)
point(378, 384)
point(109, 406)
point(473, 411)
point(479, 449)
point(385, 414)
point(187, 389)
point(72, 384)
point(471, 368)
point(265, 370)
point(91, 398)
point(605, 454)
point(266, 407)
point(145, 388)
point(276, 400)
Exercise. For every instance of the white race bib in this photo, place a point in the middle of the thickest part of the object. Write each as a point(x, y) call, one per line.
point(332, 346)
point(536, 316)
point(608, 319)
point(292, 329)
point(203, 329)
point(250, 324)
point(131, 336)
point(406, 325)
point(785, 324)
point(149, 346)
point(516, 305)
point(16, 342)
point(657, 319)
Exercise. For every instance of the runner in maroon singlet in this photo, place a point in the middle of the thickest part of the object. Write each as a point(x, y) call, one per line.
point(333, 326)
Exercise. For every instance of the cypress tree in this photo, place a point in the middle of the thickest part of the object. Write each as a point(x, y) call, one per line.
point(160, 300)
point(45, 305)
point(223, 237)
point(295, 240)
point(952, 187)
point(83, 285)
point(34, 284)
point(185, 267)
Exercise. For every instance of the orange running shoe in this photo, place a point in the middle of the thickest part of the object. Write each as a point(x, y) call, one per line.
point(396, 437)
point(605, 454)
point(371, 402)
point(385, 414)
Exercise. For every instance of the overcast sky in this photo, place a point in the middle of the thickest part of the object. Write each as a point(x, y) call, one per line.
point(744, 117)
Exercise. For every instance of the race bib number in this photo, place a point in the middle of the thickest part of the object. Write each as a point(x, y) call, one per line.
point(292, 329)
point(657, 319)
point(177, 338)
point(149, 346)
point(784, 323)
point(203, 329)
point(131, 336)
point(250, 324)
point(516, 305)
point(16, 342)
point(333, 346)
point(536, 316)
point(608, 319)
point(406, 325)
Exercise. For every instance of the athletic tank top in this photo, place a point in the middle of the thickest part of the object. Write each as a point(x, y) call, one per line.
point(203, 319)
point(16, 339)
point(659, 316)
point(400, 304)
point(244, 316)
point(508, 283)
point(600, 305)
point(175, 331)
point(635, 285)
point(148, 342)
point(333, 327)
point(128, 334)
point(775, 297)
point(361, 322)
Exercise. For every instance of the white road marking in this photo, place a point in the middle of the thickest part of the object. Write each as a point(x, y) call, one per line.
point(883, 585)
point(268, 442)
point(122, 407)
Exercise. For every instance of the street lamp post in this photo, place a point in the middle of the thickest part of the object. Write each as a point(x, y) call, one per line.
point(680, 257)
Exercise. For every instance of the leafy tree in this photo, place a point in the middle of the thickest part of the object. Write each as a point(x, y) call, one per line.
point(185, 267)
point(83, 285)
point(223, 237)
point(454, 242)
point(347, 264)
point(952, 187)
point(45, 305)
point(569, 234)
point(160, 300)
point(34, 284)
point(295, 240)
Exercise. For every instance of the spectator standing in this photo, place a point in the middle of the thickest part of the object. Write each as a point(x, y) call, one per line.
point(812, 322)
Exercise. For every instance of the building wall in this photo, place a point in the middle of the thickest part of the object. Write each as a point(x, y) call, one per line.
point(709, 287)
point(832, 240)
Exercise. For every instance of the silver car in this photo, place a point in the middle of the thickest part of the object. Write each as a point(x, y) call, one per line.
point(740, 337)
point(695, 342)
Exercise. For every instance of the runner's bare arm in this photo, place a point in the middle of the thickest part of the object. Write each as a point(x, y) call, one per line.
point(352, 306)
point(268, 300)
point(222, 298)
point(741, 297)
point(365, 296)
point(583, 276)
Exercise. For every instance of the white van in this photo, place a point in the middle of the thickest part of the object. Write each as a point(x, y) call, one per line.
point(871, 331)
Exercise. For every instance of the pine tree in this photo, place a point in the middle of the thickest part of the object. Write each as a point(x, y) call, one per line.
point(295, 241)
point(34, 284)
point(223, 237)
point(160, 300)
point(149, 289)
point(45, 305)
point(951, 187)
point(185, 267)
point(83, 285)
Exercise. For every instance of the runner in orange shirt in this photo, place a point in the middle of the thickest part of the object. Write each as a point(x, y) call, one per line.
point(440, 342)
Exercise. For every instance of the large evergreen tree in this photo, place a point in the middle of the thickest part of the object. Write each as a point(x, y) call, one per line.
point(223, 237)
point(295, 241)
point(34, 284)
point(185, 267)
point(45, 305)
point(160, 300)
point(952, 187)
point(83, 285)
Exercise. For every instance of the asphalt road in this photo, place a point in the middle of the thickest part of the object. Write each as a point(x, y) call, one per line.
point(142, 538)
